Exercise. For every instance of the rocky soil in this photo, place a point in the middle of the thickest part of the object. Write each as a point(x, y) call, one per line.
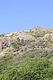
point(34, 42)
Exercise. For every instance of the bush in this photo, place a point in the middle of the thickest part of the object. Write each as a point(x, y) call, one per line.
point(2, 35)
point(15, 45)
point(30, 69)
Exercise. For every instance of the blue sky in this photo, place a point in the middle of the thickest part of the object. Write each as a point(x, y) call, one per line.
point(25, 14)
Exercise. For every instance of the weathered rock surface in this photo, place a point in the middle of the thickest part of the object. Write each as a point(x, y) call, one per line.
point(22, 42)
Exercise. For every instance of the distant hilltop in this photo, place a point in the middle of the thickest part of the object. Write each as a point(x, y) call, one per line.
point(27, 42)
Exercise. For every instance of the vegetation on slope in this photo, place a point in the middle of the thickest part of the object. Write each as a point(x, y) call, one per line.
point(29, 69)
point(26, 55)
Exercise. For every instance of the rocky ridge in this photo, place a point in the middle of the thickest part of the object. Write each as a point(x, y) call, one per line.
point(34, 42)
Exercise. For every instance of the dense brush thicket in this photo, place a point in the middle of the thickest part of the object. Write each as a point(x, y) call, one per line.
point(29, 69)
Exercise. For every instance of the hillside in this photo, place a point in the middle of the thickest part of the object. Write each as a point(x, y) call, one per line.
point(17, 46)
point(34, 42)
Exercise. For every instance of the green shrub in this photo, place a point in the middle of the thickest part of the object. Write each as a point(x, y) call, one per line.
point(1, 35)
point(15, 45)
point(30, 69)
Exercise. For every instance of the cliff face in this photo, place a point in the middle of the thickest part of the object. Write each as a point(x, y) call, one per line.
point(34, 42)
